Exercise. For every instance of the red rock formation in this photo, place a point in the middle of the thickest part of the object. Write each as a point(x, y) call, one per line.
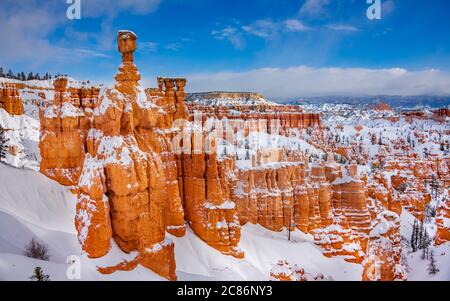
point(127, 191)
point(280, 197)
point(63, 130)
point(383, 259)
point(282, 271)
point(350, 201)
point(261, 116)
point(209, 210)
point(443, 222)
point(381, 107)
point(10, 99)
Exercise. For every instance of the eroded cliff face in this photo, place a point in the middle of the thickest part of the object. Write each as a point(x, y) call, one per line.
point(10, 99)
point(65, 122)
point(210, 212)
point(383, 259)
point(283, 271)
point(295, 195)
point(443, 222)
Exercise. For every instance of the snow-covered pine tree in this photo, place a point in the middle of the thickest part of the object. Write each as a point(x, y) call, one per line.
point(432, 268)
point(3, 146)
point(420, 237)
point(414, 236)
point(38, 275)
point(425, 252)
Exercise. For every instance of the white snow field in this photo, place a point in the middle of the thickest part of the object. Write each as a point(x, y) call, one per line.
point(32, 205)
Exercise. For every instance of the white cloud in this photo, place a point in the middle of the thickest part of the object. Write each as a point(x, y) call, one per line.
point(173, 46)
point(262, 28)
point(301, 81)
point(314, 8)
point(147, 46)
point(265, 28)
point(295, 25)
point(26, 27)
point(230, 34)
point(342, 27)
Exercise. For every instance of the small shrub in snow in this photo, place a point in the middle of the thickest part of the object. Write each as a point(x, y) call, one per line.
point(38, 275)
point(37, 250)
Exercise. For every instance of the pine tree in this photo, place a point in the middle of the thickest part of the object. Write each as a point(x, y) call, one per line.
point(414, 236)
point(424, 253)
point(39, 275)
point(10, 74)
point(420, 237)
point(1, 72)
point(3, 146)
point(432, 268)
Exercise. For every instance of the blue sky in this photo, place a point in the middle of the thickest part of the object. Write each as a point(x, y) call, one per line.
point(245, 45)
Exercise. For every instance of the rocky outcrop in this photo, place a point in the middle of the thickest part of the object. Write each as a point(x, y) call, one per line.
point(383, 259)
point(128, 189)
point(283, 271)
point(10, 99)
point(251, 108)
point(350, 201)
point(281, 197)
point(64, 125)
point(209, 210)
point(443, 222)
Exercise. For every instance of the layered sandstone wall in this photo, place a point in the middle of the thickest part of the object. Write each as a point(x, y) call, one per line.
point(384, 250)
point(280, 118)
point(10, 99)
point(296, 196)
point(65, 122)
point(443, 222)
point(206, 184)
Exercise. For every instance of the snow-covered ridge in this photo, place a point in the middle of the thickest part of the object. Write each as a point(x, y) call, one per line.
point(226, 99)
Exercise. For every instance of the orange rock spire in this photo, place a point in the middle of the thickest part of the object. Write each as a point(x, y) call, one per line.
point(128, 76)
